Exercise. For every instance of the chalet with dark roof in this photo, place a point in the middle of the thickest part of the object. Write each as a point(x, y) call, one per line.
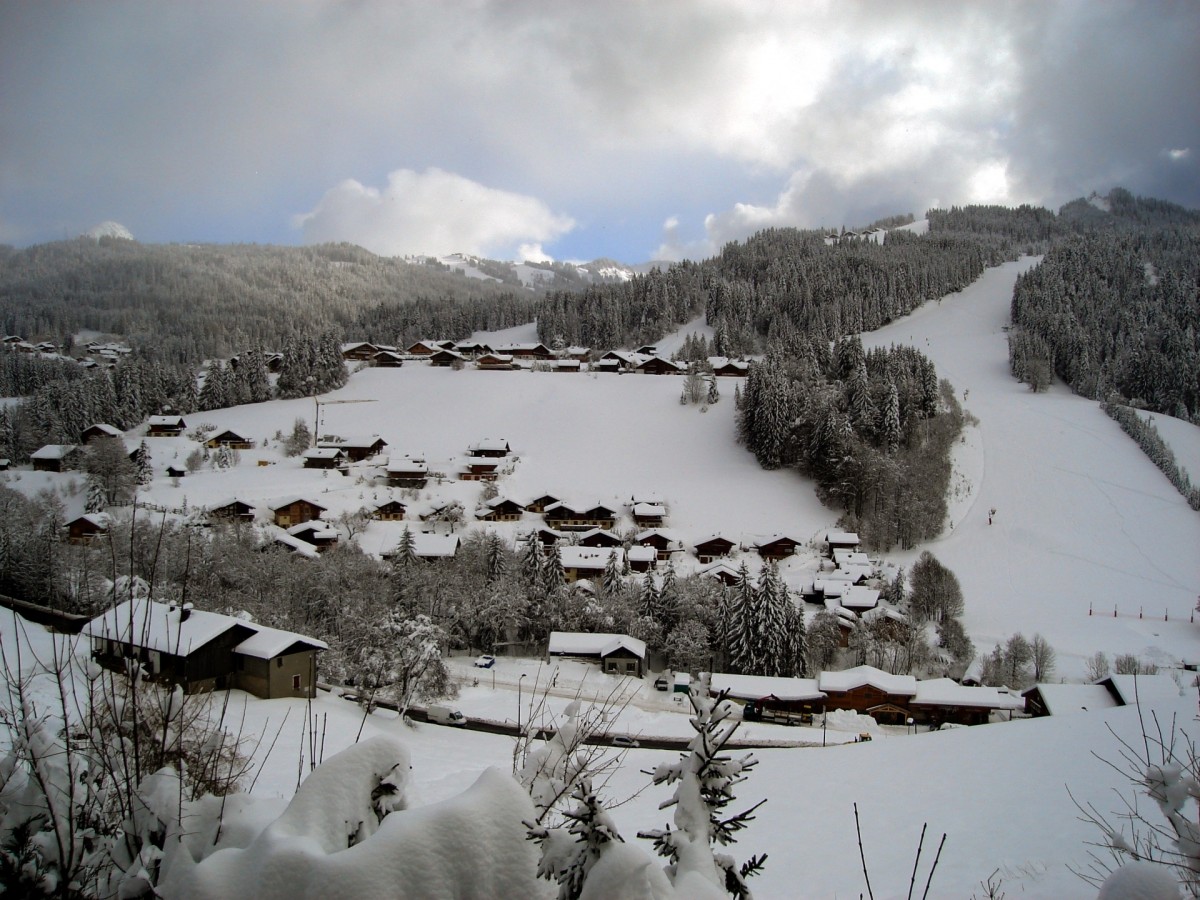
point(392, 511)
point(55, 458)
point(387, 359)
point(664, 545)
point(539, 504)
point(495, 362)
point(324, 458)
point(166, 426)
point(598, 537)
point(87, 527)
point(407, 471)
point(99, 430)
point(362, 351)
point(657, 365)
point(233, 511)
point(501, 509)
point(446, 358)
point(712, 548)
point(357, 449)
point(231, 439)
point(778, 547)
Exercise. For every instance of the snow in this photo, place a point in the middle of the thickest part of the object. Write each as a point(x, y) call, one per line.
point(859, 676)
point(1069, 699)
point(109, 229)
point(575, 643)
point(752, 687)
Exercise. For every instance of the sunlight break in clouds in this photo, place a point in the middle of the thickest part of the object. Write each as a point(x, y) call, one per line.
point(432, 212)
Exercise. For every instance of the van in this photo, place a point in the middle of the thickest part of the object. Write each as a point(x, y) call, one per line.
point(444, 715)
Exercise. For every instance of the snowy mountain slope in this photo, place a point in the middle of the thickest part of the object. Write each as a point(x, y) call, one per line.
point(1083, 518)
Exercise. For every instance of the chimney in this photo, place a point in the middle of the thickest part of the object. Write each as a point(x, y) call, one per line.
point(184, 612)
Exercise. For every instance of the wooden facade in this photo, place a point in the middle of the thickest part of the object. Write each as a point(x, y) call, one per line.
point(779, 547)
point(87, 527)
point(166, 426)
point(234, 511)
point(231, 439)
point(392, 511)
point(713, 548)
point(293, 512)
point(501, 509)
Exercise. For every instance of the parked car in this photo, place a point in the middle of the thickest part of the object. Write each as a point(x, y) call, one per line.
point(485, 662)
point(445, 715)
point(662, 683)
point(624, 740)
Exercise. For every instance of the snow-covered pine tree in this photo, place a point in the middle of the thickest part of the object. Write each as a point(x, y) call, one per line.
point(705, 778)
point(742, 610)
point(714, 394)
point(611, 583)
point(143, 472)
point(569, 853)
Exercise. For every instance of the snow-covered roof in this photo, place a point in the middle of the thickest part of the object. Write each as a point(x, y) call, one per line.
point(110, 430)
point(642, 553)
point(53, 451)
point(175, 421)
point(587, 557)
point(500, 501)
point(296, 545)
point(850, 558)
point(357, 442)
point(297, 498)
point(857, 597)
point(860, 676)
point(490, 445)
point(269, 643)
point(1061, 699)
point(842, 537)
point(649, 509)
point(406, 464)
point(315, 526)
point(1145, 689)
point(162, 627)
point(323, 453)
point(428, 545)
point(100, 520)
point(578, 643)
point(945, 692)
point(753, 687)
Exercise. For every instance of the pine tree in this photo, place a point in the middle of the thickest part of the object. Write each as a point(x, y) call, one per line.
point(532, 560)
point(143, 472)
point(611, 583)
point(743, 612)
point(714, 395)
point(495, 557)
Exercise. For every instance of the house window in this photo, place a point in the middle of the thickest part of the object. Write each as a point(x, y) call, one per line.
point(279, 662)
point(295, 682)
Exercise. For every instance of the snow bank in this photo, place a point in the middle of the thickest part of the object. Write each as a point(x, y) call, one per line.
point(329, 842)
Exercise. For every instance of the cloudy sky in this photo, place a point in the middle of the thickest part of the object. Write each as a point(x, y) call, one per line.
point(574, 130)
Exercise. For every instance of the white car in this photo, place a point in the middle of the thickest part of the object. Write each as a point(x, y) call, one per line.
point(485, 662)
point(624, 740)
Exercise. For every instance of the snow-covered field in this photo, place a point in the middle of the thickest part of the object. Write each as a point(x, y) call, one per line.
point(1083, 520)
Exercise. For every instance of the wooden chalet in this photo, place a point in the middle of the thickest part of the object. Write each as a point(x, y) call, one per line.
point(598, 537)
point(473, 349)
point(4, 464)
point(99, 430)
point(565, 365)
point(841, 540)
point(55, 458)
point(501, 509)
point(657, 365)
point(405, 471)
point(233, 511)
point(176, 471)
point(479, 468)
point(231, 439)
point(315, 532)
point(580, 353)
point(649, 515)
point(723, 572)
point(495, 362)
point(586, 562)
point(392, 511)
point(778, 547)
point(87, 527)
point(387, 359)
point(446, 358)
point(664, 545)
point(295, 510)
point(357, 449)
point(547, 537)
point(865, 689)
point(361, 351)
point(642, 558)
point(764, 695)
point(494, 448)
point(539, 504)
point(324, 458)
point(566, 518)
point(735, 368)
point(526, 351)
point(427, 347)
point(204, 651)
point(618, 654)
point(166, 426)
point(940, 700)
point(428, 547)
point(713, 548)
point(274, 363)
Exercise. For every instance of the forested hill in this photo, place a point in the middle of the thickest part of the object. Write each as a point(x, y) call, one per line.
point(781, 277)
point(1114, 307)
point(183, 303)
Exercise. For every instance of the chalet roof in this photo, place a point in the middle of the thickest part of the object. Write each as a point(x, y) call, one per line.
point(355, 442)
point(388, 503)
point(288, 501)
point(850, 558)
point(662, 360)
point(490, 445)
point(228, 432)
point(304, 548)
point(842, 537)
point(642, 553)
point(595, 532)
point(495, 357)
point(167, 421)
point(483, 462)
point(389, 354)
point(1129, 690)
point(649, 510)
point(500, 501)
point(230, 501)
point(406, 464)
point(99, 520)
point(429, 546)
point(652, 533)
point(578, 643)
point(714, 538)
point(719, 568)
point(776, 539)
point(323, 453)
point(581, 508)
point(861, 676)
point(53, 451)
point(268, 643)
point(355, 345)
point(858, 598)
point(444, 352)
point(110, 430)
point(722, 362)
point(315, 526)
point(944, 692)
point(574, 557)
point(1061, 699)
point(754, 687)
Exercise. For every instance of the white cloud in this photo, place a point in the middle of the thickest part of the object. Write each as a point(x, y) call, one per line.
point(1179, 153)
point(431, 212)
